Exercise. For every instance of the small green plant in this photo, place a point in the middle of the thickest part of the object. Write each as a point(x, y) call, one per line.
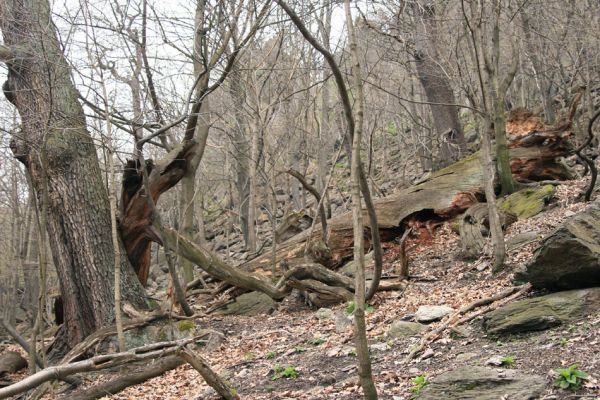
point(317, 340)
point(249, 356)
point(572, 328)
point(563, 341)
point(570, 377)
point(271, 355)
point(507, 361)
point(352, 306)
point(299, 349)
point(289, 372)
point(419, 382)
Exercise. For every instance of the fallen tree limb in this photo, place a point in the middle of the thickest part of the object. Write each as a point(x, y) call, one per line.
point(25, 345)
point(454, 320)
point(80, 349)
point(211, 378)
point(144, 353)
point(320, 207)
point(126, 380)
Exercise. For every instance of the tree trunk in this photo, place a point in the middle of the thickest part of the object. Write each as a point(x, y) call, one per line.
point(437, 88)
point(53, 122)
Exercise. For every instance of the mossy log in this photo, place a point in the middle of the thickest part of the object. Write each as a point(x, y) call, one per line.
point(443, 195)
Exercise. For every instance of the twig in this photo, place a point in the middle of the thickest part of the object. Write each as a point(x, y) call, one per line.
point(508, 295)
point(144, 353)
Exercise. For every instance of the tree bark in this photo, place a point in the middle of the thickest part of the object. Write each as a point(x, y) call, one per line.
point(53, 122)
point(437, 87)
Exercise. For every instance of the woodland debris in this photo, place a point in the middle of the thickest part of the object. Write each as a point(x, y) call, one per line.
point(455, 319)
point(144, 353)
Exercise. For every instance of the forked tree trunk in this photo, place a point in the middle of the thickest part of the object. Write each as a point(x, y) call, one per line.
point(53, 122)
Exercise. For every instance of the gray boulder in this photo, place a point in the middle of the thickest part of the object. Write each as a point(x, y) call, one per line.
point(250, 304)
point(432, 313)
point(400, 329)
point(569, 258)
point(482, 383)
point(542, 312)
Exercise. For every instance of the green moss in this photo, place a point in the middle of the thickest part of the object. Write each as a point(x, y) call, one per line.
point(528, 202)
point(185, 325)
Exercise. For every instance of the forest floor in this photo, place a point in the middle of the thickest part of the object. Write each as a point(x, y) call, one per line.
point(323, 355)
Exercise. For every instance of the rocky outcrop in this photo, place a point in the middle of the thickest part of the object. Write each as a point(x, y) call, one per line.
point(527, 202)
point(484, 384)
point(542, 312)
point(569, 258)
point(249, 304)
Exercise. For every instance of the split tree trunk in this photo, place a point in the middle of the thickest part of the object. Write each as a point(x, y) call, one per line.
point(53, 122)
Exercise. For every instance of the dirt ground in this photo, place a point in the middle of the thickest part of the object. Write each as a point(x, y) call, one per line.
point(323, 356)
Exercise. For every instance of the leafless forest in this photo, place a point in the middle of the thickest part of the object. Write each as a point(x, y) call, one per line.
point(169, 167)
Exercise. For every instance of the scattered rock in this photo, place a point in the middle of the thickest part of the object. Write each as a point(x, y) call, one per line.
point(569, 258)
point(249, 304)
point(400, 329)
point(495, 361)
point(482, 383)
point(342, 322)
point(215, 339)
point(427, 354)
point(527, 202)
point(432, 313)
point(379, 346)
point(11, 362)
point(542, 312)
point(459, 332)
point(324, 314)
point(462, 357)
point(522, 239)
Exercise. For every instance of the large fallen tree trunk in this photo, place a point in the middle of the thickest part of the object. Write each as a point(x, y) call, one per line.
point(443, 195)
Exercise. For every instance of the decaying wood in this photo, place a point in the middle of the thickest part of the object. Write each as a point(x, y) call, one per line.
point(535, 151)
point(321, 208)
point(124, 381)
point(144, 353)
point(25, 345)
point(135, 220)
point(494, 302)
point(473, 228)
point(402, 269)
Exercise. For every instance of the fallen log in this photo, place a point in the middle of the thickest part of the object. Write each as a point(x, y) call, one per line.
point(536, 150)
point(144, 353)
point(124, 381)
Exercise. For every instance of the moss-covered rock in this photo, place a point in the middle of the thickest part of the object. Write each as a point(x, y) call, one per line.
point(527, 202)
point(253, 303)
point(542, 312)
point(400, 329)
point(483, 384)
point(186, 325)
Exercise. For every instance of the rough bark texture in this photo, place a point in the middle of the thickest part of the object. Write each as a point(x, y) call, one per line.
point(437, 87)
point(135, 222)
point(78, 209)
